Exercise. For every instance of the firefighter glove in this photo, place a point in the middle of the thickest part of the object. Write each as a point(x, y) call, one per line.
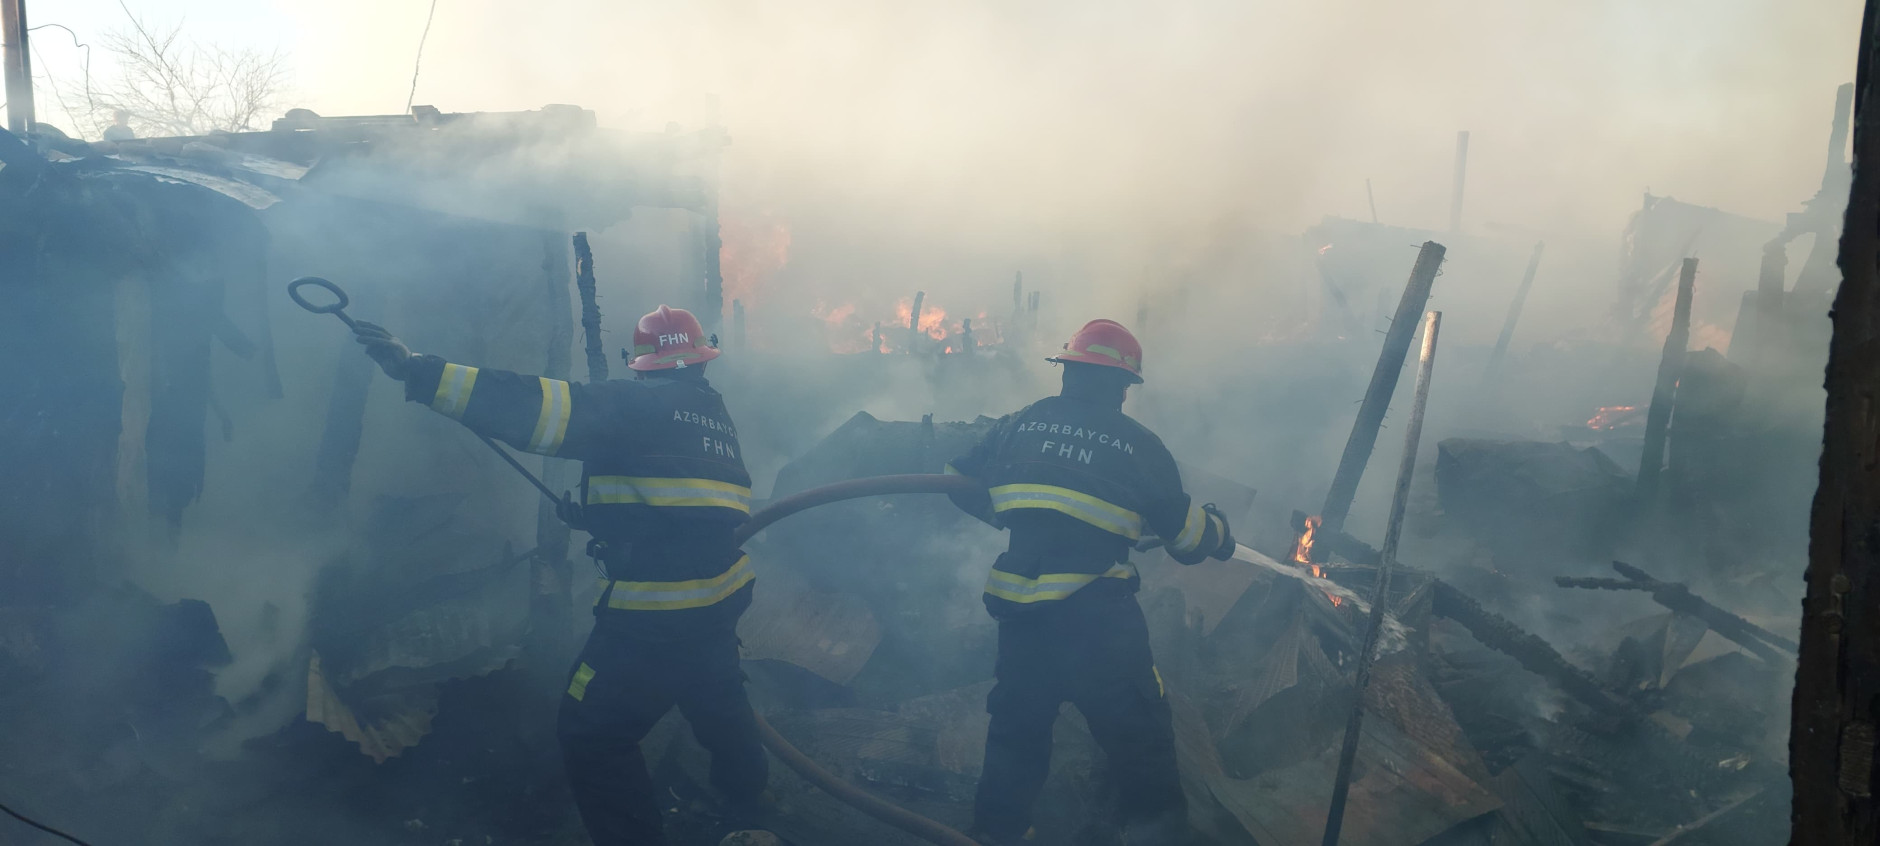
point(1228, 545)
point(390, 353)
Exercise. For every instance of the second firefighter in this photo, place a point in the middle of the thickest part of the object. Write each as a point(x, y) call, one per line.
point(1077, 483)
point(663, 487)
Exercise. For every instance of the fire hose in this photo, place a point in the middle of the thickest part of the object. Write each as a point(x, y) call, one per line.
point(803, 765)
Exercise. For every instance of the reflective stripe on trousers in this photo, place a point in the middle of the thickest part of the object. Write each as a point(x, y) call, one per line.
point(674, 596)
point(667, 493)
point(1050, 586)
point(1107, 516)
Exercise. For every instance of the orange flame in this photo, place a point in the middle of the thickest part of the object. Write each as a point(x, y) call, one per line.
point(932, 318)
point(849, 332)
point(752, 249)
point(1302, 548)
point(1610, 417)
point(1302, 553)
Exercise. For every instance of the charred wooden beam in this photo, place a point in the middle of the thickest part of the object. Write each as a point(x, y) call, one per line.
point(1514, 314)
point(1390, 361)
point(1690, 603)
point(1534, 654)
point(590, 308)
point(1677, 597)
point(1837, 681)
point(913, 322)
point(1651, 462)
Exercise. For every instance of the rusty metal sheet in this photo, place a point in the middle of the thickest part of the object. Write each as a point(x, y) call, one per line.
point(1534, 814)
point(400, 721)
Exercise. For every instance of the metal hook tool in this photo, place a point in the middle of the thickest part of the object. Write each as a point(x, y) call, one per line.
point(337, 308)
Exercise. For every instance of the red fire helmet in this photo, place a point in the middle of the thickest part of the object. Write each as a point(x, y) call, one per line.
point(667, 338)
point(1106, 343)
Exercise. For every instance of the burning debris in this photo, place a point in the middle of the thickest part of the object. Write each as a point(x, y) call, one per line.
point(423, 655)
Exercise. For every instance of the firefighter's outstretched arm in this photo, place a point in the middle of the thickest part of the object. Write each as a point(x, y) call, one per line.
point(1193, 533)
point(531, 413)
point(972, 465)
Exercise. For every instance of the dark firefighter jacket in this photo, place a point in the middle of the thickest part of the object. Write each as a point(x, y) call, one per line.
point(662, 481)
point(1078, 483)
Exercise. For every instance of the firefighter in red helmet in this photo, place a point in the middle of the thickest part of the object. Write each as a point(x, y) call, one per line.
point(1078, 483)
point(663, 486)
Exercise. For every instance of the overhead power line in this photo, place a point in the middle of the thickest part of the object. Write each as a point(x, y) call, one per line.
point(419, 61)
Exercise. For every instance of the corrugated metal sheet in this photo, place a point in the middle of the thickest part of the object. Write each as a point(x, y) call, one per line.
point(253, 197)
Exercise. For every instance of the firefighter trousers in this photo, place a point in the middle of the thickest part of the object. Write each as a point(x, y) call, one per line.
point(1094, 655)
point(620, 687)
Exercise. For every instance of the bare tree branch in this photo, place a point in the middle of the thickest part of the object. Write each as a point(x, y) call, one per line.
point(174, 86)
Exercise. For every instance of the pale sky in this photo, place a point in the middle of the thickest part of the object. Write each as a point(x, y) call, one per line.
point(976, 119)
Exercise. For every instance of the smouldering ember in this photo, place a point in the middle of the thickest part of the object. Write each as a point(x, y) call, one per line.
point(1611, 417)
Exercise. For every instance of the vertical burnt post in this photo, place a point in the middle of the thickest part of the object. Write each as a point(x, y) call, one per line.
point(1514, 314)
point(1765, 325)
point(1837, 679)
point(913, 322)
point(1403, 327)
point(19, 67)
point(1651, 462)
point(1817, 275)
point(1380, 595)
point(590, 309)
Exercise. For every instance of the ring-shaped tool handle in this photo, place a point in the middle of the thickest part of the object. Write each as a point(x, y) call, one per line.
point(336, 308)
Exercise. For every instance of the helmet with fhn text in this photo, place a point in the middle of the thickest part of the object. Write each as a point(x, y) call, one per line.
point(668, 338)
point(1105, 343)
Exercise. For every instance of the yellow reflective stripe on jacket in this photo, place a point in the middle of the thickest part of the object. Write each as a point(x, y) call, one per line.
point(675, 596)
point(1192, 530)
point(667, 493)
point(551, 425)
point(1050, 586)
point(453, 390)
point(1103, 515)
point(577, 687)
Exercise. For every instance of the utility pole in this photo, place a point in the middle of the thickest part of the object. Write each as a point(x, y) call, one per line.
point(19, 67)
